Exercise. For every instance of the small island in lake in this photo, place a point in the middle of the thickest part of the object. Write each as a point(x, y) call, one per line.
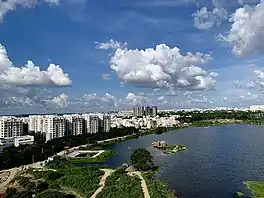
point(168, 148)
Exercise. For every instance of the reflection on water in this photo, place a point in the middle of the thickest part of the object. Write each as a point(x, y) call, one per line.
point(216, 163)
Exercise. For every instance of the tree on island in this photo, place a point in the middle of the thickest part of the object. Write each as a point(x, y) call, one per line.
point(141, 159)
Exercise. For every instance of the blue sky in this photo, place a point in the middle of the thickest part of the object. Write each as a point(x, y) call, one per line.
point(89, 55)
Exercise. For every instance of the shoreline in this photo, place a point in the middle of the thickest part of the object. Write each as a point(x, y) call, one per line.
point(142, 133)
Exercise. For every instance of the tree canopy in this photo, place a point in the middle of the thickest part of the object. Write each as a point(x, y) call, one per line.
point(142, 160)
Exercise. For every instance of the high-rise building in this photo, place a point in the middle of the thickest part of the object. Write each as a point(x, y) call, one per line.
point(154, 111)
point(73, 124)
point(10, 127)
point(106, 123)
point(91, 123)
point(145, 111)
point(35, 123)
point(53, 126)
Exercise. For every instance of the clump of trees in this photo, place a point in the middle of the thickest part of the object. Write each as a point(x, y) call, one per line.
point(142, 160)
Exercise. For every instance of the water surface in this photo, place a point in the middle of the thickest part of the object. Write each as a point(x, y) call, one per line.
point(215, 165)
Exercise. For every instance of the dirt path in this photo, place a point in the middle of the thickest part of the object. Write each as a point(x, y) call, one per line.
point(143, 183)
point(102, 181)
point(13, 172)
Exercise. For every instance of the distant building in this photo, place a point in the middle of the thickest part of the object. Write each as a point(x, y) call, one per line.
point(141, 111)
point(106, 123)
point(73, 124)
point(53, 127)
point(35, 123)
point(91, 123)
point(256, 108)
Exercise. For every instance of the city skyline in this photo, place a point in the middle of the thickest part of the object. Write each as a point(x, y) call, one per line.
point(84, 56)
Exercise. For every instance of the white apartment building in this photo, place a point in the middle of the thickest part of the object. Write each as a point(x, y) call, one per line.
point(106, 123)
point(53, 127)
point(35, 123)
point(74, 124)
point(92, 123)
point(10, 127)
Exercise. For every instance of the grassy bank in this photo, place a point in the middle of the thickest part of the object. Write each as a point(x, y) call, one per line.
point(64, 180)
point(101, 158)
point(256, 187)
point(157, 188)
point(120, 185)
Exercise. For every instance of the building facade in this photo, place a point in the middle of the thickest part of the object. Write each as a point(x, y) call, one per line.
point(141, 111)
point(10, 127)
point(53, 127)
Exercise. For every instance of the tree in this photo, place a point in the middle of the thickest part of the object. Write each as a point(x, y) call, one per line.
point(10, 192)
point(141, 159)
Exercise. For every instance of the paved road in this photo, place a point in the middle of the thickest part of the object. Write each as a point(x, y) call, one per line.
point(143, 183)
point(102, 181)
point(13, 172)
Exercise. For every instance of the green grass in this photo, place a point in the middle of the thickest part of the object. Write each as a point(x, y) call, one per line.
point(101, 158)
point(120, 185)
point(157, 188)
point(83, 181)
point(257, 188)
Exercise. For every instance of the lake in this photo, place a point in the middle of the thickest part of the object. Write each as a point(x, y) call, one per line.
point(215, 165)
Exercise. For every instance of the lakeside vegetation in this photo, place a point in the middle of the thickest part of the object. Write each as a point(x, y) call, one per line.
point(168, 148)
point(256, 187)
point(157, 188)
point(120, 185)
point(100, 158)
point(62, 179)
point(50, 183)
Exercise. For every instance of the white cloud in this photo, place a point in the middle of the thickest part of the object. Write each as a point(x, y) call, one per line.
point(11, 5)
point(132, 100)
point(247, 30)
point(94, 100)
point(205, 19)
point(112, 44)
point(162, 67)
point(30, 74)
point(61, 101)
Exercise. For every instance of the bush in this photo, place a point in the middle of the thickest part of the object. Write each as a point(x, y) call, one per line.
point(10, 192)
point(141, 159)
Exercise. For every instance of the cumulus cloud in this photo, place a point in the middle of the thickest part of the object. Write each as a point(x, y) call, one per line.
point(95, 100)
point(205, 19)
point(133, 100)
point(162, 67)
point(30, 74)
point(11, 5)
point(111, 44)
point(246, 33)
point(60, 102)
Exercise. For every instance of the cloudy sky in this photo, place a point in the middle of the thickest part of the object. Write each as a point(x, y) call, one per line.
point(90, 55)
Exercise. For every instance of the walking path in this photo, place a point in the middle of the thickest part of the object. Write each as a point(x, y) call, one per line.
point(102, 181)
point(11, 176)
point(143, 183)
